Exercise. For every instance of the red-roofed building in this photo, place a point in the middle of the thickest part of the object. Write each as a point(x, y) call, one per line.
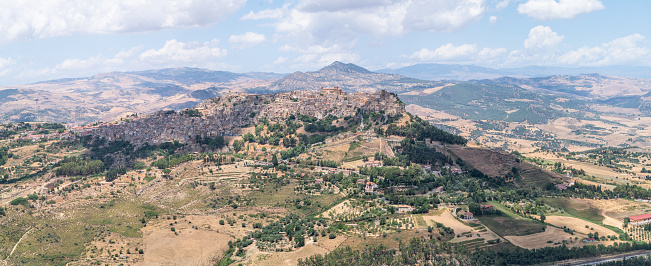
point(370, 186)
point(640, 219)
point(487, 207)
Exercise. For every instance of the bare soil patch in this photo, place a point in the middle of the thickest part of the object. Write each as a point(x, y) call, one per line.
point(579, 225)
point(189, 247)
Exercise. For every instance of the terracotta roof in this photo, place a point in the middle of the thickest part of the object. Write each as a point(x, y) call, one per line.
point(640, 217)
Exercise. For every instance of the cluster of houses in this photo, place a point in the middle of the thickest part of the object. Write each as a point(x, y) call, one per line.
point(219, 116)
point(565, 185)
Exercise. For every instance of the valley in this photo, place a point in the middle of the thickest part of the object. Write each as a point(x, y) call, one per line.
point(479, 172)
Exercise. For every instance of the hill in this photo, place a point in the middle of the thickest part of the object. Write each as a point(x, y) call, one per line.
point(349, 77)
point(112, 95)
point(297, 177)
point(436, 72)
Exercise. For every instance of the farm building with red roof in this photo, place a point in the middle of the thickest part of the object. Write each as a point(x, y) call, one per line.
point(640, 219)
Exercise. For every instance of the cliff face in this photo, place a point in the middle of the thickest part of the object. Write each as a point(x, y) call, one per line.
point(221, 115)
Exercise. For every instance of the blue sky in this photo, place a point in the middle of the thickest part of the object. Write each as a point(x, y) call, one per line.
point(49, 39)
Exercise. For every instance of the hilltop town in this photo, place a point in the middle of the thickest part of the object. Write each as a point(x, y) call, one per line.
point(221, 115)
point(298, 177)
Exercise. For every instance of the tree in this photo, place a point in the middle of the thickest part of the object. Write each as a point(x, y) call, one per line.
point(542, 217)
point(274, 160)
point(238, 145)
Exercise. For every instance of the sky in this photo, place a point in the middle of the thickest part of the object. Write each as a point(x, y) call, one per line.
point(52, 39)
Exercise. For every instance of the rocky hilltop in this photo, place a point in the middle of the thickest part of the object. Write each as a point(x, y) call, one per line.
point(221, 115)
point(350, 77)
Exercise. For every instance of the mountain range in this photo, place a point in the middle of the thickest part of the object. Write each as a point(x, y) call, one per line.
point(109, 96)
point(470, 72)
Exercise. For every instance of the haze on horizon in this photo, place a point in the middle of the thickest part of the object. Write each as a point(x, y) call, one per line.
point(41, 40)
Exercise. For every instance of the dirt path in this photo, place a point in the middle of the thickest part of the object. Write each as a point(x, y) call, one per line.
point(21, 239)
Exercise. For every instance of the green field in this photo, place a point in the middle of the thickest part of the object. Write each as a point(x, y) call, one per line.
point(509, 226)
point(509, 223)
point(574, 208)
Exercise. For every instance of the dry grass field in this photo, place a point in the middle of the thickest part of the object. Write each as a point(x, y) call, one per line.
point(462, 232)
point(579, 225)
point(342, 208)
point(550, 238)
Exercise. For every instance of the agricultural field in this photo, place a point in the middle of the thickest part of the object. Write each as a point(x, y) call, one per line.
point(273, 202)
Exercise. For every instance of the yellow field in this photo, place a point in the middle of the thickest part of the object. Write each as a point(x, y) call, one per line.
point(460, 228)
point(579, 225)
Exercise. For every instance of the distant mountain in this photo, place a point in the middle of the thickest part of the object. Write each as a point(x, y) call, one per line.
point(446, 72)
point(348, 77)
point(470, 72)
point(592, 87)
point(108, 96)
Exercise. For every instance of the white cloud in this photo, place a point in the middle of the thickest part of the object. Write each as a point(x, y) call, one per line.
point(439, 15)
point(329, 22)
point(316, 56)
point(264, 14)
point(542, 37)
point(465, 53)
point(5, 62)
point(247, 39)
point(561, 9)
point(502, 4)
point(30, 19)
point(621, 51)
point(492, 20)
point(281, 60)
point(340, 5)
point(446, 52)
point(193, 53)
point(4, 66)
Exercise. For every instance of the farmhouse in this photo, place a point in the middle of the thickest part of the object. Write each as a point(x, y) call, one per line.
point(370, 186)
point(468, 216)
point(640, 219)
point(487, 207)
point(404, 208)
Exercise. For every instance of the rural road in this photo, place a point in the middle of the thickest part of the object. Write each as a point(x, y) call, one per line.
point(597, 261)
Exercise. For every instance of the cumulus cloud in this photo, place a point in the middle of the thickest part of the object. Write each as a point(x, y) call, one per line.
point(492, 20)
point(281, 60)
point(462, 53)
point(438, 15)
point(264, 14)
point(32, 19)
point(5, 62)
point(625, 50)
point(542, 37)
point(319, 55)
point(502, 4)
point(4, 66)
point(312, 22)
point(339, 5)
point(561, 9)
point(247, 39)
point(174, 51)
